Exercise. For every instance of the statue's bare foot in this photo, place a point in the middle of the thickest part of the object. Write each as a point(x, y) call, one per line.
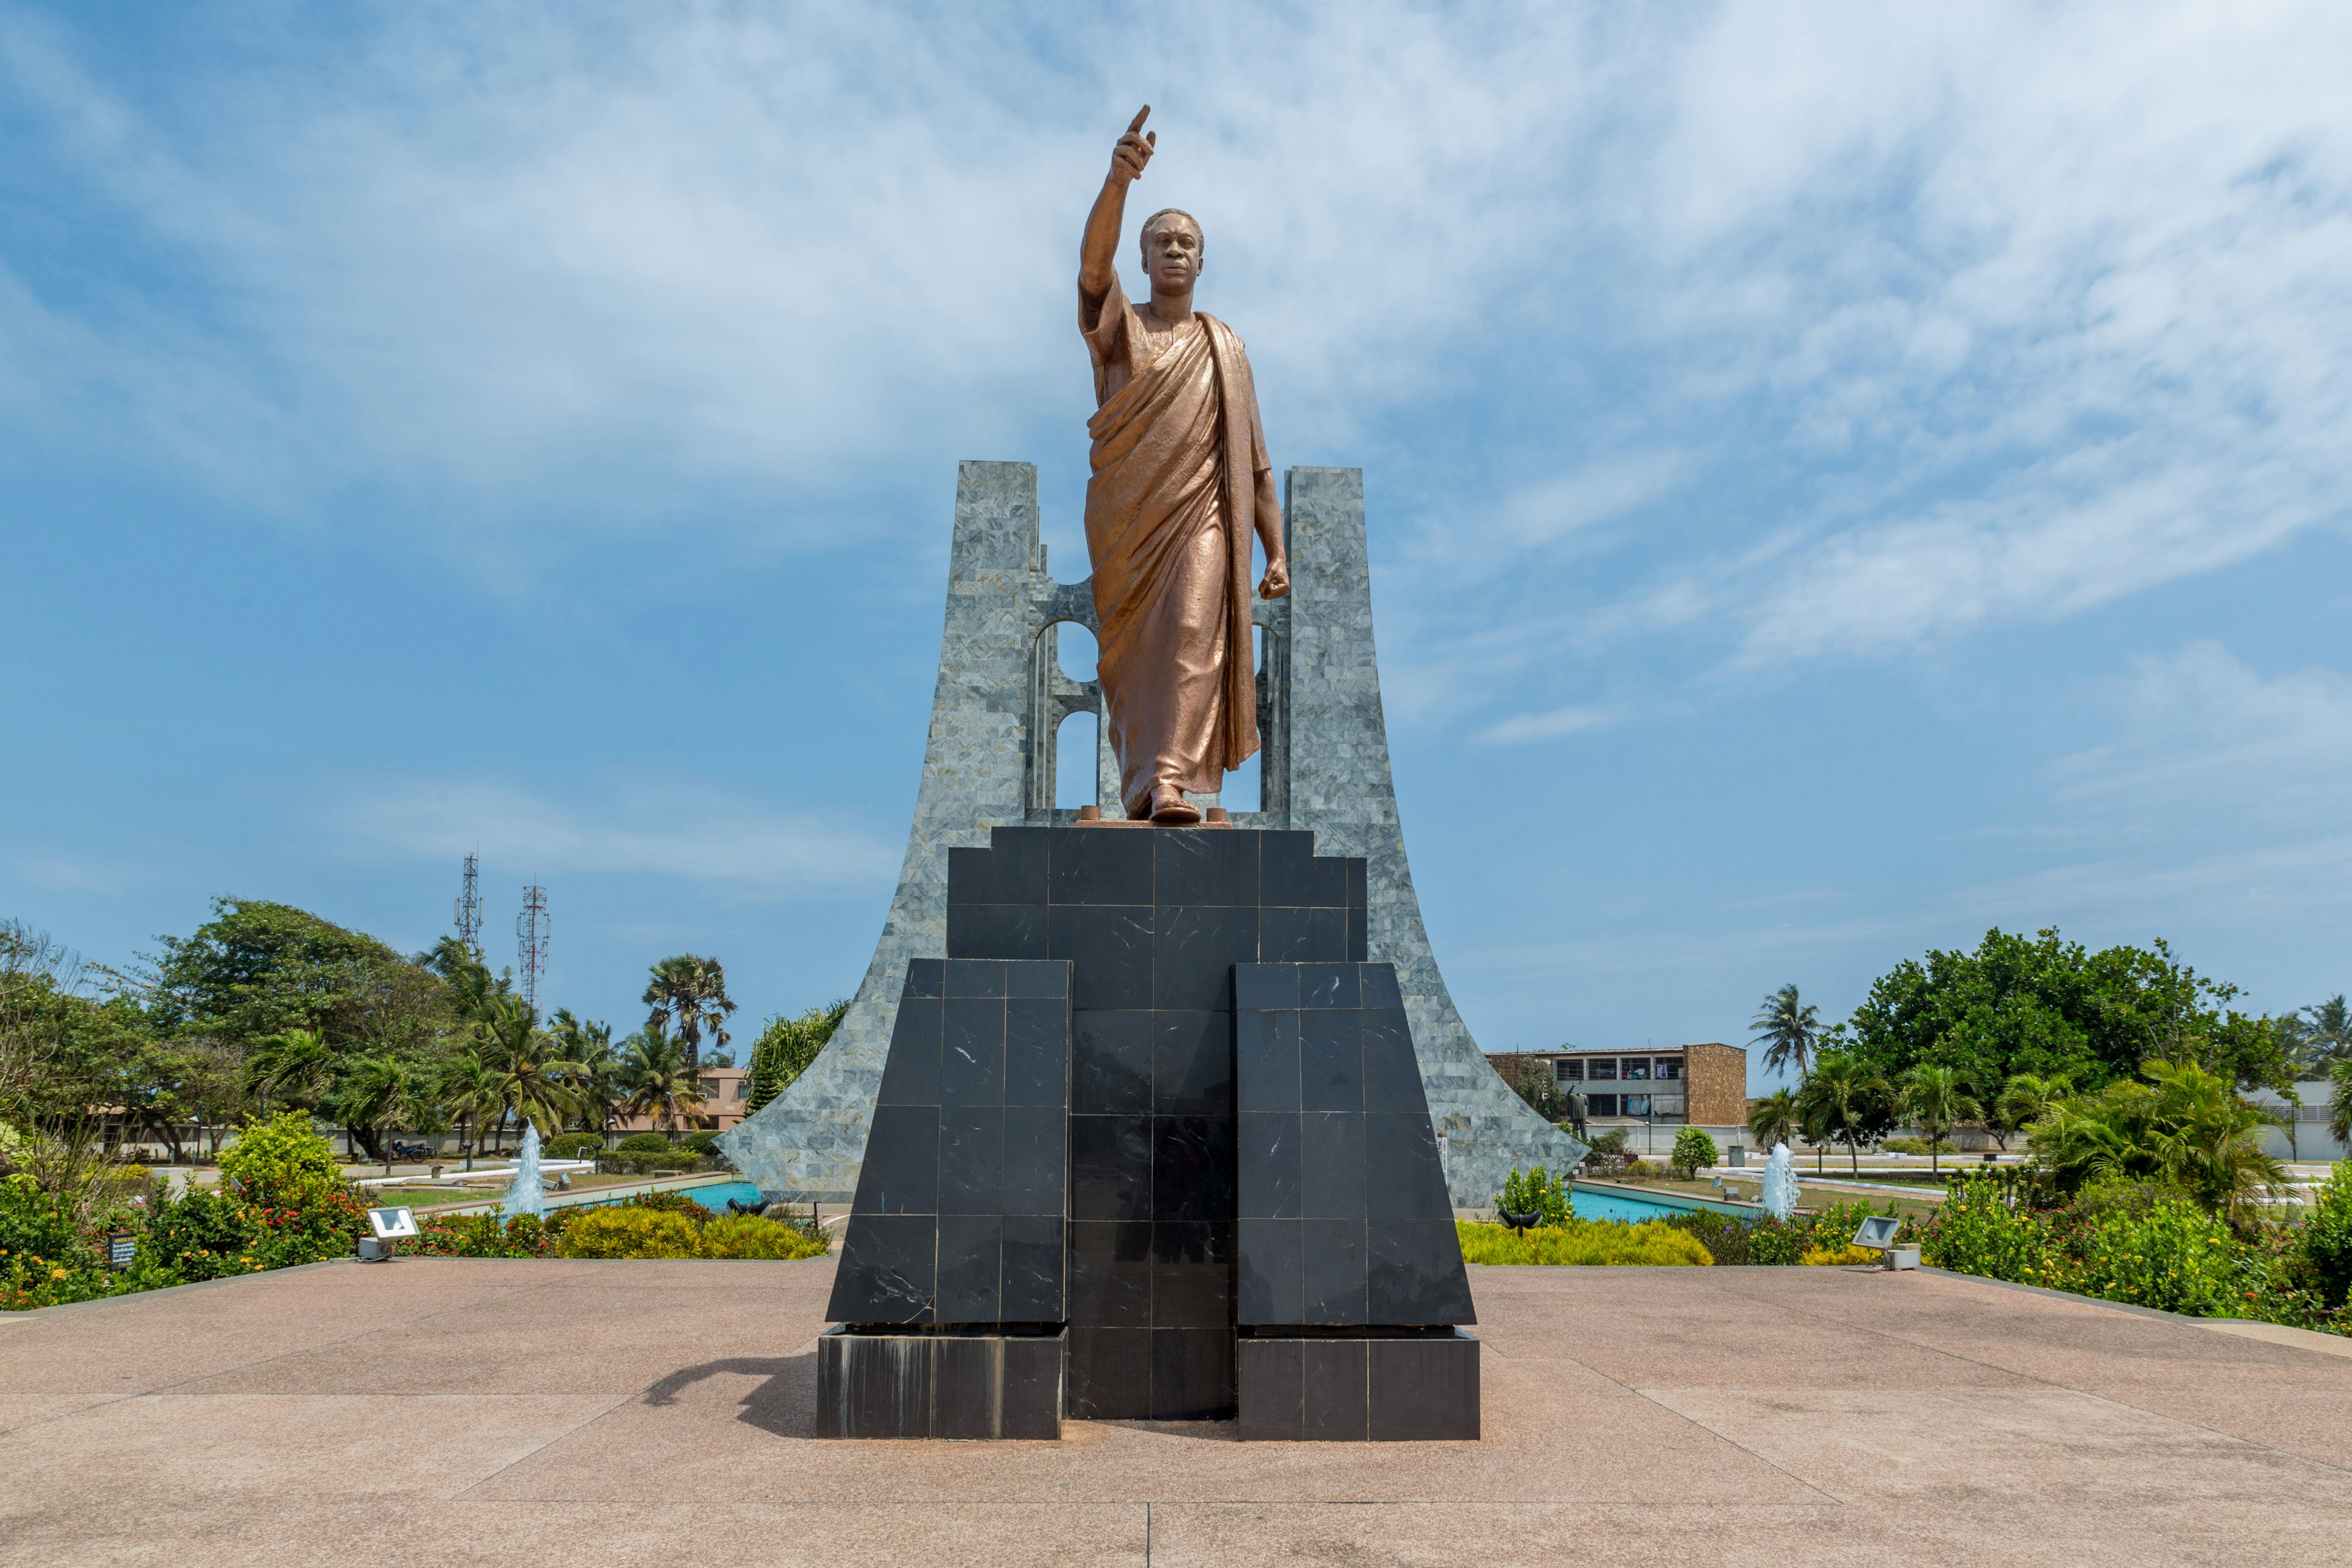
point(1170, 809)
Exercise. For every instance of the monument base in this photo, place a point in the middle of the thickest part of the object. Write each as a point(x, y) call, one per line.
point(1359, 1385)
point(943, 1384)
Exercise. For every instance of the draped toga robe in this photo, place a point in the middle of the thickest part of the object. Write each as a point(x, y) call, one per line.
point(1181, 478)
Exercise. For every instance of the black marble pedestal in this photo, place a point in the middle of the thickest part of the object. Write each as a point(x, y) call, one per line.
point(942, 1383)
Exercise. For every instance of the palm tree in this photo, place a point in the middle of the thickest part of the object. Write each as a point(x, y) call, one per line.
point(2339, 1099)
point(537, 1082)
point(691, 993)
point(2026, 1098)
point(1842, 1100)
point(1936, 1100)
point(2186, 1127)
point(381, 1091)
point(292, 1065)
point(2327, 1032)
point(1788, 1028)
point(1773, 1119)
point(589, 1046)
point(661, 1080)
point(469, 1090)
point(785, 1049)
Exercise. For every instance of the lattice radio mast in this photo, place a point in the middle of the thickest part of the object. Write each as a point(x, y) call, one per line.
point(469, 909)
point(532, 928)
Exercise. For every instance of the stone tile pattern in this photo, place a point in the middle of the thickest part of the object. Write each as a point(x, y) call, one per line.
point(1001, 600)
point(958, 1211)
point(1152, 924)
point(1359, 1388)
point(1343, 1217)
point(938, 1385)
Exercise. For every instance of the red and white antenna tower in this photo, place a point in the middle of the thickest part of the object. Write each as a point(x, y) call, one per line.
point(469, 909)
point(532, 928)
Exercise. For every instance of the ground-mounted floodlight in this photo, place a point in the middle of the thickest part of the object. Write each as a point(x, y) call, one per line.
point(1877, 1233)
point(390, 1225)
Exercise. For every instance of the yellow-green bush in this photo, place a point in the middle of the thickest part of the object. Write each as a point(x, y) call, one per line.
point(622, 1232)
point(749, 1236)
point(1822, 1255)
point(1583, 1242)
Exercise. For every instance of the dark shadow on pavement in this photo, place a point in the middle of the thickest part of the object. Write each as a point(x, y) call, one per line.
point(784, 1405)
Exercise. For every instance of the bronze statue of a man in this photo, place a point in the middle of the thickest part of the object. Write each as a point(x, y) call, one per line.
point(1181, 482)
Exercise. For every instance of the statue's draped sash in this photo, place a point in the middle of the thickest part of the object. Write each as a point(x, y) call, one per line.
point(1177, 452)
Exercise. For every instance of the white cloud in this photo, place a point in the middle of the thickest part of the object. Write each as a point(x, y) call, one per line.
point(1549, 726)
point(651, 827)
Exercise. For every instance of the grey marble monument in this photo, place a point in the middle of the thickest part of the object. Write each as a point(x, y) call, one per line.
point(996, 713)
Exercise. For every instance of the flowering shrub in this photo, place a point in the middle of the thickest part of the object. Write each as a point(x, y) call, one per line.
point(282, 1164)
point(1817, 1256)
point(44, 1259)
point(487, 1235)
point(1582, 1242)
point(2327, 1240)
point(2172, 1255)
point(1536, 1192)
point(203, 1236)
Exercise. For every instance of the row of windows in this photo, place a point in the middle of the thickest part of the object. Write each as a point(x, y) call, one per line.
point(1633, 1104)
point(1609, 1070)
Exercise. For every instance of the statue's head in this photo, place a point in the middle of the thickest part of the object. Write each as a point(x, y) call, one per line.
point(1172, 248)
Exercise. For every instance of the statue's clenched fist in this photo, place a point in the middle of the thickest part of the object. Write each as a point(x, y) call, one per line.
point(1134, 150)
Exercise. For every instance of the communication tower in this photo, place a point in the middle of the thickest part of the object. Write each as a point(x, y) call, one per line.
point(532, 928)
point(469, 909)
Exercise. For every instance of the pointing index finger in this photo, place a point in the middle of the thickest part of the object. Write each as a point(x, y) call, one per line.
point(1140, 116)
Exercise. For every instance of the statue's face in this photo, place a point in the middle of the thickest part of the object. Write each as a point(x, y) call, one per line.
point(1171, 254)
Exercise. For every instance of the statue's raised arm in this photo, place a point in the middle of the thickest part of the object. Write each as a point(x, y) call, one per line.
point(1099, 248)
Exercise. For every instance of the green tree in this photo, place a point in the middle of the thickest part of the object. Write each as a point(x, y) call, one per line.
point(690, 994)
point(1844, 1100)
point(2339, 1099)
point(596, 1067)
point(1787, 1028)
point(471, 1094)
point(292, 1070)
point(536, 1081)
point(1694, 1150)
point(1774, 1118)
point(2025, 1100)
point(2044, 1006)
point(1936, 1100)
point(2312, 1038)
point(787, 1047)
point(2186, 1127)
point(659, 1080)
point(383, 1092)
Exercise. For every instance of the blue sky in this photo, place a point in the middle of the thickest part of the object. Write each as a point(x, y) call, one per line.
point(1840, 478)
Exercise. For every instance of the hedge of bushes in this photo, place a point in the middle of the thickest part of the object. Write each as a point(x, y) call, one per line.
point(1582, 1242)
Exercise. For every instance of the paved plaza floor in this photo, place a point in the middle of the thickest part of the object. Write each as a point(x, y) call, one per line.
point(435, 1411)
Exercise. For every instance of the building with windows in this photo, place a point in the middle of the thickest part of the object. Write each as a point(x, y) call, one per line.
point(1703, 1085)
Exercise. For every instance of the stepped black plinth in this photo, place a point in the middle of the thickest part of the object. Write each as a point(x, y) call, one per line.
point(1069, 1158)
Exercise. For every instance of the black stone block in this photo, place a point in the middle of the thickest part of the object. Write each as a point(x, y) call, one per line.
point(1111, 1275)
point(1048, 978)
point(1357, 869)
point(1032, 1399)
point(887, 1270)
point(1112, 1062)
point(1333, 1269)
point(1425, 1389)
point(1331, 1166)
point(1289, 873)
point(938, 1385)
point(975, 977)
point(997, 932)
point(1192, 1375)
point(970, 1269)
point(1391, 1075)
point(1192, 1174)
point(1266, 1058)
point(1302, 935)
point(1110, 1376)
point(1036, 1169)
point(1379, 982)
point(1264, 985)
point(1331, 1060)
point(927, 977)
point(1204, 868)
point(971, 1048)
point(1413, 1274)
point(1267, 1166)
point(1403, 1178)
point(1360, 946)
point(911, 1073)
point(1019, 865)
point(1035, 1250)
point(1270, 1271)
point(902, 1172)
point(1335, 1393)
point(967, 1374)
point(972, 1159)
point(1109, 948)
point(1193, 1063)
point(1037, 1051)
point(1271, 1373)
point(1194, 951)
point(1327, 985)
point(873, 1385)
point(1101, 866)
point(1193, 1275)
point(1110, 1167)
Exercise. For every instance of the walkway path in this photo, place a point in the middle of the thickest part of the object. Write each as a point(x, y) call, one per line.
point(445, 1411)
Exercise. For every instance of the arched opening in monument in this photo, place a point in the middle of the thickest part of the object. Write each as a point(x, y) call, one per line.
point(1074, 755)
point(1076, 652)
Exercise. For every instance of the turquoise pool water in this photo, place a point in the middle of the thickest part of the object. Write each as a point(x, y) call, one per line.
point(714, 1198)
point(1600, 1202)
